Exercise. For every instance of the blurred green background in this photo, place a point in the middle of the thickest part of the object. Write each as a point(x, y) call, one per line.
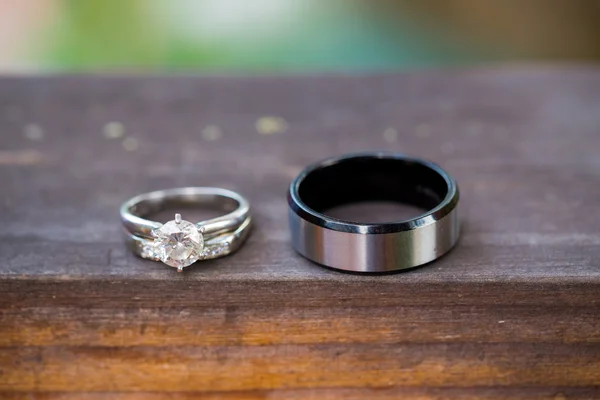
point(290, 35)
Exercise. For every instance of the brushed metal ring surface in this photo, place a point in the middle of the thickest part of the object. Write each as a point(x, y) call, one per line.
point(373, 247)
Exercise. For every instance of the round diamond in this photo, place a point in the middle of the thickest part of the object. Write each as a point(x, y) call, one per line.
point(178, 243)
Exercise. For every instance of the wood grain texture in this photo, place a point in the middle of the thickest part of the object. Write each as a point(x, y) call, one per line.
point(512, 312)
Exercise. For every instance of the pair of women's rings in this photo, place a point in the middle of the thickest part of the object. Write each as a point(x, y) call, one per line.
point(332, 242)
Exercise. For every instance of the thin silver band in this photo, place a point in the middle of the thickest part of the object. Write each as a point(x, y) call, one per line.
point(373, 247)
point(237, 207)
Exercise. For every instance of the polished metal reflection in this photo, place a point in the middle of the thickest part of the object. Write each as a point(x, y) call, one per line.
point(374, 252)
point(374, 247)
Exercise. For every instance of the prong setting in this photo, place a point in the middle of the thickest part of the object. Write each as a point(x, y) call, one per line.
point(178, 243)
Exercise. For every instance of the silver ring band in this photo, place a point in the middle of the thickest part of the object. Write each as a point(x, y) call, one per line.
point(135, 208)
point(373, 247)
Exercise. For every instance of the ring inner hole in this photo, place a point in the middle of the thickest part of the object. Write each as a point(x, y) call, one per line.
point(192, 208)
point(374, 212)
point(373, 190)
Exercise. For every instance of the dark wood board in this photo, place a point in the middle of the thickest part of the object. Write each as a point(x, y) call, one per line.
point(512, 312)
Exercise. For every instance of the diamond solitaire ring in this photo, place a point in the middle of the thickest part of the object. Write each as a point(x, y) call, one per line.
point(179, 243)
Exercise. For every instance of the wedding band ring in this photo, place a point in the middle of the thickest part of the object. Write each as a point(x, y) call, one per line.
point(373, 247)
point(236, 207)
point(216, 247)
point(180, 243)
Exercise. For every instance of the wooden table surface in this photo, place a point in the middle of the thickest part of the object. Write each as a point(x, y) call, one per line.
point(512, 312)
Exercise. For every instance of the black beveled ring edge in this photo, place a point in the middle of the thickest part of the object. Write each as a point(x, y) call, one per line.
point(448, 204)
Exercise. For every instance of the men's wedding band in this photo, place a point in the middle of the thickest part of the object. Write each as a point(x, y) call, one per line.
point(373, 247)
